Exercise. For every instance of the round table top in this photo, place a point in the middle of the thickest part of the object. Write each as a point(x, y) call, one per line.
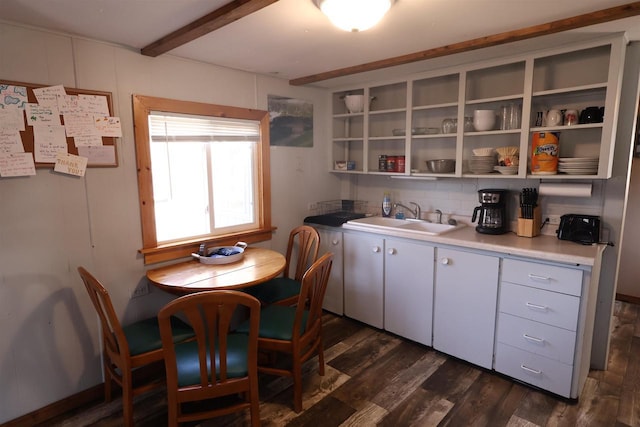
point(256, 266)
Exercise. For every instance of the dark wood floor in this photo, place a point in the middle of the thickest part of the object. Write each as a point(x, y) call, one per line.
point(373, 378)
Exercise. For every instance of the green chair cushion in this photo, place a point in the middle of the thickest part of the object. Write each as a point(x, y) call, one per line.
point(274, 290)
point(189, 365)
point(144, 335)
point(276, 321)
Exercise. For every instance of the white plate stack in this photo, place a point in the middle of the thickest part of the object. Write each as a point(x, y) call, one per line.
point(482, 164)
point(578, 165)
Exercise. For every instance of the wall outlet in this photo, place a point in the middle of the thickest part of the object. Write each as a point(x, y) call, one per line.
point(140, 290)
point(554, 219)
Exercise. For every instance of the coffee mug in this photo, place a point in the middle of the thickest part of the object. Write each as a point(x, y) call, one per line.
point(571, 117)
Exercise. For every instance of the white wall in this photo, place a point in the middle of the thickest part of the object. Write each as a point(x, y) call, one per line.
point(51, 223)
point(629, 276)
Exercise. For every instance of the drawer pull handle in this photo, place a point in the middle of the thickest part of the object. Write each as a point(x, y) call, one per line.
point(392, 251)
point(530, 370)
point(375, 249)
point(533, 339)
point(537, 307)
point(536, 277)
point(335, 242)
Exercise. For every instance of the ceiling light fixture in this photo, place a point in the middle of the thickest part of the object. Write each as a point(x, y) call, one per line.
point(354, 15)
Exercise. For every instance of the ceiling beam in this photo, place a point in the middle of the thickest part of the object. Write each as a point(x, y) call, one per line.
point(598, 17)
point(220, 17)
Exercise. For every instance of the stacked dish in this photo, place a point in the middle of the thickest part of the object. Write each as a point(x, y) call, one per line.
point(482, 164)
point(506, 170)
point(578, 165)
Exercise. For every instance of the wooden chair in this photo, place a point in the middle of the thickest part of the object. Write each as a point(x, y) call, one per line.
point(296, 330)
point(305, 241)
point(231, 356)
point(128, 348)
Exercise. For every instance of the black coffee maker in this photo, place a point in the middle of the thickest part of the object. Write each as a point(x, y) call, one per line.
point(492, 214)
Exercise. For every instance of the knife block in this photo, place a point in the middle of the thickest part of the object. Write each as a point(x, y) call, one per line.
point(530, 227)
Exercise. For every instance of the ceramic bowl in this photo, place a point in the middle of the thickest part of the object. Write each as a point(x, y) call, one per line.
point(484, 120)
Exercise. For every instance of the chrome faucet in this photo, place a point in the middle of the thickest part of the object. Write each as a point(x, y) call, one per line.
point(415, 213)
point(439, 213)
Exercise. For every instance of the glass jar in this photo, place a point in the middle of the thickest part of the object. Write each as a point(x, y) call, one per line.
point(468, 124)
point(450, 125)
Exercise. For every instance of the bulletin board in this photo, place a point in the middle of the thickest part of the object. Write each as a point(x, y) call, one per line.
point(27, 135)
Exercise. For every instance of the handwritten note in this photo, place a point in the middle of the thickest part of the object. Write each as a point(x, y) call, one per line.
point(108, 126)
point(69, 104)
point(79, 125)
point(47, 142)
point(99, 156)
point(10, 142)
point(94, 104)
point(42, 115)
point(70, 164)
point(48, 96)
point(87, 140)
point(11, 119)
point(16, 164)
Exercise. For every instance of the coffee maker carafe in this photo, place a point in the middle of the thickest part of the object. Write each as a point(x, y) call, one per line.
point(492, 213)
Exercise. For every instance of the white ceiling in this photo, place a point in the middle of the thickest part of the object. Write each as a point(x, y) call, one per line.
point(292, 38)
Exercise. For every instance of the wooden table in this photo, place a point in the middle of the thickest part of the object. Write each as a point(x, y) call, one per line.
point(257, 265)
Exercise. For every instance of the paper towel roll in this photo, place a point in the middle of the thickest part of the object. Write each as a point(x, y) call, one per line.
point(565, 189)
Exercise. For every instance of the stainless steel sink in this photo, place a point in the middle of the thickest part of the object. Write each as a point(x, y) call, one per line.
point(401, 225)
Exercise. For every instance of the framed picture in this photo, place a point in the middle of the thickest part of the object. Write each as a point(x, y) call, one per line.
point(291, 121)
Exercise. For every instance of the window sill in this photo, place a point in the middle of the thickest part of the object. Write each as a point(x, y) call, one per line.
point(184, 249)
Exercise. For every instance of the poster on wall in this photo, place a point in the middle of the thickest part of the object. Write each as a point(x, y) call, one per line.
point(290, 122)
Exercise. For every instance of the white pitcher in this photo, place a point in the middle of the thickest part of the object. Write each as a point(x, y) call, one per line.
point(553, 118)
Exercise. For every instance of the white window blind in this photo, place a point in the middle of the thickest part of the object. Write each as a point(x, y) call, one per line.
point(204, 174)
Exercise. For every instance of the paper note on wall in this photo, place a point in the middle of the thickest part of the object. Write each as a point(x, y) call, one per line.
point(42, 115)
point(79, 125)
point(104, 155)
point(10, 142)
point(47, 142)
point(16, 164)
point(13, 96)
point(70, 164)
point(108, 126)
point(11, 119)
point(94, 104)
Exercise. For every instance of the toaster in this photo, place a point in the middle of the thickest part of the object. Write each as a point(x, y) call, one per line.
point(579, 228)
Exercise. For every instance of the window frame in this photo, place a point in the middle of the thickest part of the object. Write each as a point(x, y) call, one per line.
point(153, 252)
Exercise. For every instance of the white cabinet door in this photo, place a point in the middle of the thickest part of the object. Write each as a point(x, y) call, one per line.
point(466, 290)
point(331, 241)
point(363, 274)
point(408, 290)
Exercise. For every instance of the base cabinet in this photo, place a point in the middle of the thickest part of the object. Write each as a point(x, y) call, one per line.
point(331, 241)
point(408, 289)
point(538, 323)
point(466, 290)
point(363, 278)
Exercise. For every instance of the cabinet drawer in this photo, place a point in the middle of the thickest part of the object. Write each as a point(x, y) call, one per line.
point(542, 306)
point(534, 337)
point(543, 276)
point(533, 369)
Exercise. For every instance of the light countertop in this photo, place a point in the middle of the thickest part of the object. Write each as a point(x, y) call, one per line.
point(543, 247)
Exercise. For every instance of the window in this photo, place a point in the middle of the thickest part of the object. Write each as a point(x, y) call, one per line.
point(203, 175)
